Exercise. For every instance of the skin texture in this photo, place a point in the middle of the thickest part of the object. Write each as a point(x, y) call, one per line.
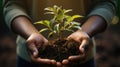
point(22, 25)
point(94, 25)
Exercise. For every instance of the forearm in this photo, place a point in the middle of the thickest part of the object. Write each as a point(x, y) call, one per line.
point(94, 25)
point(22, 26)
point(13, 9)
point(99, 17)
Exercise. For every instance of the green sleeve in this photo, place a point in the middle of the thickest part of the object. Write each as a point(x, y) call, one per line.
point(105, 9)
point(118, 8)
point(13, 9)
point(0, 5)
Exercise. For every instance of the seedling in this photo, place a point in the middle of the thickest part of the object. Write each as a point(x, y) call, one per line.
point(60, 23)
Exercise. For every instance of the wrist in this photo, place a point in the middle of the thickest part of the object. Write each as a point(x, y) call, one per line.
point(85, 32)
point(94, 25)
point(28, 34)
point(89, 33)
point(23, 26)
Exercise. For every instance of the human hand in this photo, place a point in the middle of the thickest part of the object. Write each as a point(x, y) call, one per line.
point(34, 42)
point(83, 39)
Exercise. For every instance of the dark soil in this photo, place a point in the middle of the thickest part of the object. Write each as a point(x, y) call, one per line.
point(59, 49)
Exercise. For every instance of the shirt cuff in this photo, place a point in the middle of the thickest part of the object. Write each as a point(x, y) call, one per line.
point(12, 14)
point(106, 14)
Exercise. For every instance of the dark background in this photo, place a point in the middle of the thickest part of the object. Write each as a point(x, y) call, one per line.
point(107, 47)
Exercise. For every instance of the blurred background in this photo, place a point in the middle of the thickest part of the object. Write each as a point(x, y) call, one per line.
point(107, 47)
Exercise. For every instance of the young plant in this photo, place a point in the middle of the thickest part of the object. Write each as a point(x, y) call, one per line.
point(59, 48)
point(60, 22)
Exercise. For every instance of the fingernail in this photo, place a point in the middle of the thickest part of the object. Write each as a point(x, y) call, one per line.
point(82, 50)
point(34, 53)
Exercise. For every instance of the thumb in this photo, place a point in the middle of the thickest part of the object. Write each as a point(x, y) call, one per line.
point(33, 50)
point(83, 46)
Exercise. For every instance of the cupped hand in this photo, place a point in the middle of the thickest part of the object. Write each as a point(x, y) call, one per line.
point(83, 39)
point(34, 42)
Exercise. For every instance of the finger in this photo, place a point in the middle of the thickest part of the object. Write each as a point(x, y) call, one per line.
point(69, 37)
point(65, 61)
point(42, 43)
point(44, 61)
point(76, 58)
point(76, 39)
point(83, 46)
point(45, 41)
point(53, 62)
point(47, 61)
point(59, 64)
point(45, 44)
point(39, 43)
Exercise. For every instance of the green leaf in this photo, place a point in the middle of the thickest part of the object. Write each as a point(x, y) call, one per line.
point(57, 28)
point(71, 27)
point(52, 22)
point(55, 9)
point(66, 11)
point(49, 13)
point(58, 9)
point(50, 34)
point(75, 23)
point(45, 22)
point(49, 9)
point(60, 17)
point(70, 30)
point(39, 22)
point(68, 21)
point(71, 18)
point(45, 29)
point(75, 16)
point(77, 27)
point(59, 14)
point(55, 6)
